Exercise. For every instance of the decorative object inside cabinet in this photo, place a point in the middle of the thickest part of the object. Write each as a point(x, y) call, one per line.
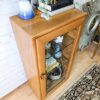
point(57, 56)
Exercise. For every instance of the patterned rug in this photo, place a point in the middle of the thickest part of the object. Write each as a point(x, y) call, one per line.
point(87, 88)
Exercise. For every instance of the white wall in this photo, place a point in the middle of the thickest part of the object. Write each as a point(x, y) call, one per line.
point(11, 69)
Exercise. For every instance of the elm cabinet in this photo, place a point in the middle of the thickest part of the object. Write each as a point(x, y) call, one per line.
point(33, 35)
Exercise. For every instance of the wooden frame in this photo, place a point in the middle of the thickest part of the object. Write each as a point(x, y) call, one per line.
point(50, 36)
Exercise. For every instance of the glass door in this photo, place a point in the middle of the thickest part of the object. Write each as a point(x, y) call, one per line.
point(57, 54)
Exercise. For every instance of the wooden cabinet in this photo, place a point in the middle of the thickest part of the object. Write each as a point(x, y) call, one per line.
point(32, 36)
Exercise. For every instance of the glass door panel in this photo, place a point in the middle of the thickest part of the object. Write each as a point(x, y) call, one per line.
point(57, 55)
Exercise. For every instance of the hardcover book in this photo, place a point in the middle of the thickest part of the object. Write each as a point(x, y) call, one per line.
point(52, 13)
point(59, 4)
point(51, 62)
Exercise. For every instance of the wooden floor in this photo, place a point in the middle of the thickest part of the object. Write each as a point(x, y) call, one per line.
point(80, 66)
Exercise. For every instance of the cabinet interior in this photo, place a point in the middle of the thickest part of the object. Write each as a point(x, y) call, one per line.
point(57, 55)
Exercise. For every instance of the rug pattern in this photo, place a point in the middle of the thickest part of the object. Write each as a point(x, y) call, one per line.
point(87, 88)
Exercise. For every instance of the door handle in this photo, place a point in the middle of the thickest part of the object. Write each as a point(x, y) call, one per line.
point(42, 75)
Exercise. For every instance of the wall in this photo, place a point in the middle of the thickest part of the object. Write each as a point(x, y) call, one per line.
point(11, 69)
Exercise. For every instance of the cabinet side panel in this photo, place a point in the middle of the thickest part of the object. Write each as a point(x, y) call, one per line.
point(27, 49)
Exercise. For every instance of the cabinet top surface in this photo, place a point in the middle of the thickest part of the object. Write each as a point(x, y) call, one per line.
point(38, 26)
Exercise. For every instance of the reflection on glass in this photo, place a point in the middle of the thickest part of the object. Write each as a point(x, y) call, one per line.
point(57, 60)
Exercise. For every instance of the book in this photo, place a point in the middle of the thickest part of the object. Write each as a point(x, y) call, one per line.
point(52, 13)
point(51, 63)
point(58, 5)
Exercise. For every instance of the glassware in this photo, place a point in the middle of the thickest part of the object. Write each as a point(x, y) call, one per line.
point(25, 10)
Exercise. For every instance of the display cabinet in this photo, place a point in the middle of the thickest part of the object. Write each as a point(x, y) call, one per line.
point(48, 48)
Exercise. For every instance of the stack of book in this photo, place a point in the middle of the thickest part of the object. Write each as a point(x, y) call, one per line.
point(51, 63)
point(53, 7)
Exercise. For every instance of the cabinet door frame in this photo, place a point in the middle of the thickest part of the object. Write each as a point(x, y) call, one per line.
point(41, 41)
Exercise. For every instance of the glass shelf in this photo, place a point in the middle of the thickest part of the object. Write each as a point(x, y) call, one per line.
point(52, 83)
point(57, 68)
